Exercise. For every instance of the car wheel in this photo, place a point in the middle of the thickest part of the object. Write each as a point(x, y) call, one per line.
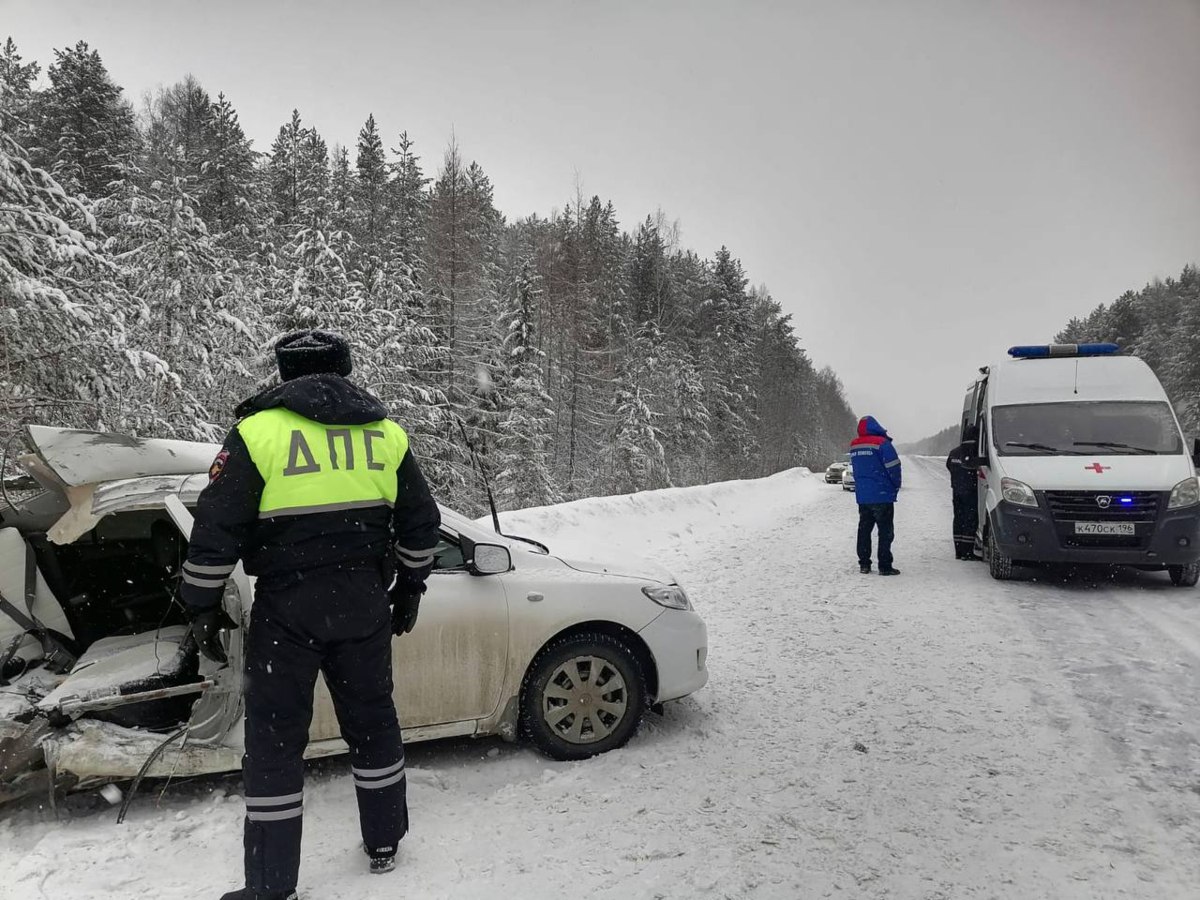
point(1185, 576)
point(999, 566)
point(583, 695)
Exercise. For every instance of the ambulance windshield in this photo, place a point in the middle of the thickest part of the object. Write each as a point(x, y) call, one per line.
point(1086, 429)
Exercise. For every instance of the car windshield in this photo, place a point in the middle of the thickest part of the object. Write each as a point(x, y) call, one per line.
point(1086, 429)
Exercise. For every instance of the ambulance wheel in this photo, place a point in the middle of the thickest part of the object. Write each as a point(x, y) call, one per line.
point(1184, 576)
point(583, 695)
point(1000, 567)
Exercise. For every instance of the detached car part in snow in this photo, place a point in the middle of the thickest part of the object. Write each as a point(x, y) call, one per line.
point(510, 641)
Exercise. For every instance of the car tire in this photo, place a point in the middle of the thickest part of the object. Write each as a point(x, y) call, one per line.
point(596, 672)
point(1000, 567)
point(1185, 576)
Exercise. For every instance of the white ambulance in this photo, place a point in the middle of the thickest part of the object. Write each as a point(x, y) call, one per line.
point(1081, 460)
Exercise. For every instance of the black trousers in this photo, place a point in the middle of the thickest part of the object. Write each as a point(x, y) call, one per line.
point(966, 515)
point(871, 516)
point(336, 622)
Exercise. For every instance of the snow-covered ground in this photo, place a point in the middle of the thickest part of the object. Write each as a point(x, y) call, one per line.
point(937, 735)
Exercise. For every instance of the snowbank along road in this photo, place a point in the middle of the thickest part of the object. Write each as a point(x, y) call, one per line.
point(937, 735)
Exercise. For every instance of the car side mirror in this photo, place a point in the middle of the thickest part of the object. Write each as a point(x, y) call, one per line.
point(1196, 453)
point(977, 462)
point(490, 559)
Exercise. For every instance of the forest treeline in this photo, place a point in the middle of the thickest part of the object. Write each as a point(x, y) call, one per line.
point(1161, 324)
point(149, 256)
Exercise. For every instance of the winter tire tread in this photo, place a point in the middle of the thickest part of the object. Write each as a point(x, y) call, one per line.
point(1185, 576)
point(595, 643)
point(1000, 567)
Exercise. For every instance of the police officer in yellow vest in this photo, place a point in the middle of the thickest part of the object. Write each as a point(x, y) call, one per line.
point(315, 490)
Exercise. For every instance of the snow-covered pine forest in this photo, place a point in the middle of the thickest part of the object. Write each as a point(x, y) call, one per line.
point(1161, 324)
point(149, 256)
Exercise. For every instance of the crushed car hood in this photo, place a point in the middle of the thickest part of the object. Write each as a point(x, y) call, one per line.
point(77, 458)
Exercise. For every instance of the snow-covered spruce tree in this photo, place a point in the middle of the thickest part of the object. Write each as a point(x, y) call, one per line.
point(176, 128)
point(578, 258)
point(309, 279)
point(228, 190)
point(638, 459)
point(16, 92)
point(726, 324)
point(298, 173)
point(398, 358)
point(313, 286)
point(685, 432)
point(183, 341)
point(460, 286)
point(409, 204)
point(1182, 368)
point(372, 206)
point(603, 302)
point(341, 191)
point(84, 132)
point(522, 456)
point(60, 325)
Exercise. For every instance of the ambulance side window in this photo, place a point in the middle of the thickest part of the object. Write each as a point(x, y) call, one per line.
point(968, 414)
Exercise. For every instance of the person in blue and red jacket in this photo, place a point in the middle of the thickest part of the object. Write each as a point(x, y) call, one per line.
point(876, 486)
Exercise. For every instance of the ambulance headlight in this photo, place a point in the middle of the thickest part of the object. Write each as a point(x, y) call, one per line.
point(1186, 493)
point(1017, 492)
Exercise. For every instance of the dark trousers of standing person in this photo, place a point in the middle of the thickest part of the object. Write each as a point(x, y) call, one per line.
point(870, 516)
point(335, 621)
point(966, 516)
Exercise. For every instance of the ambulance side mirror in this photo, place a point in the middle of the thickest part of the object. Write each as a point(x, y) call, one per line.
point(1196, 453)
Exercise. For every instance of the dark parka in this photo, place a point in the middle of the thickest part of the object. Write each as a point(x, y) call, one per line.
point(228, 527)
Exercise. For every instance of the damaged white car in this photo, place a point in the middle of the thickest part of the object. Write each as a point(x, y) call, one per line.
point(103, 680)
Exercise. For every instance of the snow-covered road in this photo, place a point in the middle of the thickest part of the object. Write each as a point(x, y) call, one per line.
point(937, 735)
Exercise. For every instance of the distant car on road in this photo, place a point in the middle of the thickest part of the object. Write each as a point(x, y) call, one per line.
point(848, 479)
point(833, 475)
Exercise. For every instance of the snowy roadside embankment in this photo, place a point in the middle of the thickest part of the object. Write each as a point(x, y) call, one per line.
point(657, 522)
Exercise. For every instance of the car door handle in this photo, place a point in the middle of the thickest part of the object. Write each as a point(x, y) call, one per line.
point(535, 597)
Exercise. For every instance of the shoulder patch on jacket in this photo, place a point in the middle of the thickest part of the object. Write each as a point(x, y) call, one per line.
point(218, 466)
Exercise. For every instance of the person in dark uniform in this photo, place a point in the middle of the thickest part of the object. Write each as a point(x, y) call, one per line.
point(964, 489)
point(316, 491)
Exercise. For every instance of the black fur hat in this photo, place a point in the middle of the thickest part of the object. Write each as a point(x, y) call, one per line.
point(312, 352)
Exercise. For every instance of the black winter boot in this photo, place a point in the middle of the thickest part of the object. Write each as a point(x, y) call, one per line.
point(865, 568)
point(383, 860)
point(889, 571)
point(247, 894)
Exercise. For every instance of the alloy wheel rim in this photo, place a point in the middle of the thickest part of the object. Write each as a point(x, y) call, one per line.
point(585, 700)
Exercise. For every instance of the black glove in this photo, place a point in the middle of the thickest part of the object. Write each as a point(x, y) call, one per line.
point(405, 604)
point(207, 625)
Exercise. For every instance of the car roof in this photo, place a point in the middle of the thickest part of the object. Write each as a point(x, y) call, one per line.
point(1072, 379)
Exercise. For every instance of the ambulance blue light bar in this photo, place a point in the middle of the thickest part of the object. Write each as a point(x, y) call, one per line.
point(1046, 351)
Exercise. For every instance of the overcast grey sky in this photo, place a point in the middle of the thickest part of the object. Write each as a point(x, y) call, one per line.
point(920, 184)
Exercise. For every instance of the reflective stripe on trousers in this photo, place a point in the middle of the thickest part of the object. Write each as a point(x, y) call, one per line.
point(293, 636)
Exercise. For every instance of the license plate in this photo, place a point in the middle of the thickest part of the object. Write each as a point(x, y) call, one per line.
point(1104, 528)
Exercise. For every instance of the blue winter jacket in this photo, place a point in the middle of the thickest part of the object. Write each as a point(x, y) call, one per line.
point(876, 464)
